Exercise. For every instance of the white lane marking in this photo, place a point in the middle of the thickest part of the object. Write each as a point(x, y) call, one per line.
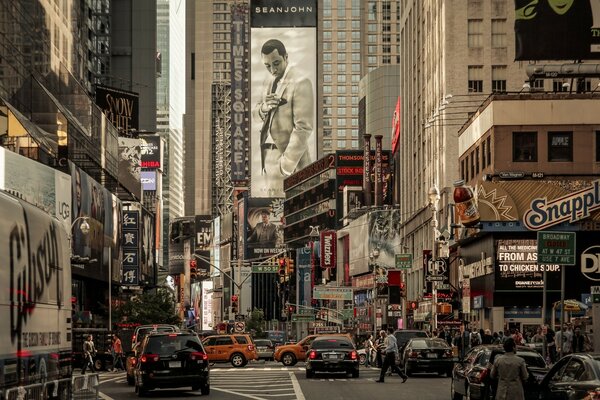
point(249, 396)
point(105, 397)
point(296, 385)
point(114, 378)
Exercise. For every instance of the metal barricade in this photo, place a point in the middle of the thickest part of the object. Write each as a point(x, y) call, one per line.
point(86, 387)
point(27, 392)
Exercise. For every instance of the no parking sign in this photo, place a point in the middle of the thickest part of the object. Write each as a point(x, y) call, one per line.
point(240, 326)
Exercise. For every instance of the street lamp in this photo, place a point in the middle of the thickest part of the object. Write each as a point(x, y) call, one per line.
point(434, 198)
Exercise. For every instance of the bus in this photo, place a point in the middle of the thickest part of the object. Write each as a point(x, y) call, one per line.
point(35, 298)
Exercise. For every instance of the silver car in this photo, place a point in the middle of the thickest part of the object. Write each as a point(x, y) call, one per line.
point(265, 349)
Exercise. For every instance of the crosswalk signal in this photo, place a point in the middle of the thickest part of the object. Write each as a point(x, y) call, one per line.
point(290, 266)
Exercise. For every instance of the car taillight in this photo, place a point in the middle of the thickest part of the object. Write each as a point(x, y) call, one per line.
point(353, 355)
point(149, 358)
point(250, 347)
point(134, 361)
point(198, 355)
point(312, 355)
point(413, 354)
point(593, 394)
point(480, 376)
point(448, 353)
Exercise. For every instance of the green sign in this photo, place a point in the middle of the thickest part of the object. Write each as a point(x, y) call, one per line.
point(332, 293)
point(403, 261)
point(306, 311)
point(303, 318)
point(265, 269)
point(556, 248)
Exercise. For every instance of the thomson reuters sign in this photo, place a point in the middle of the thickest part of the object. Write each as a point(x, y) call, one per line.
point(328, 249)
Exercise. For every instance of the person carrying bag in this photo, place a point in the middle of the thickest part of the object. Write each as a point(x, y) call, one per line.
point(89, 352)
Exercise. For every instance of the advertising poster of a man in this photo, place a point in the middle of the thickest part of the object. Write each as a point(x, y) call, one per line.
point(283, 106)
point(265, 232)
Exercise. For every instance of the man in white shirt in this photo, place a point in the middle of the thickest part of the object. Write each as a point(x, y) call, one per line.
point(390, 349)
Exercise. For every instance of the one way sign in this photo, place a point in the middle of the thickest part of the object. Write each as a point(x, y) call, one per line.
point(595, 294)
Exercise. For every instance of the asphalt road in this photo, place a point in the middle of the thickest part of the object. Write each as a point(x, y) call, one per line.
point(272, 381)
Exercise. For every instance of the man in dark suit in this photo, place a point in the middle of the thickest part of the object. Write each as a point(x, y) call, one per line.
point(264, 232)
point(287, 112)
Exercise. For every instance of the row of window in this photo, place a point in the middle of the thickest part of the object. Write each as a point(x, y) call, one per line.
point(475, 33)
point(560, 146)
point(475, 78)
point(341, 100)
point(340, 121)
point(341, 144)
point(341, 68)
point(340, 111)
point(477, 160)
point(341, 133)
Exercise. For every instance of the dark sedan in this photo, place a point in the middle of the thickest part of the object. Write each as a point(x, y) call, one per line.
point(428, 355)
point(576, 376)
point(332, 354)
point(471, 376)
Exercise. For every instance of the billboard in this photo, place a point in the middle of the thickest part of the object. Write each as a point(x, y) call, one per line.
point(283, 92)
point(148, 179)
point(203, 243)
point(555, 30)
point(131, 248)
point(151, 152)
point(129, 165)
point(120, 107)
point(265, 230)
point(239, 92)
point(328, 249)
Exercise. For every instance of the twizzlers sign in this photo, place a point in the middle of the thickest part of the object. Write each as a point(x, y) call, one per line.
point(328, 249)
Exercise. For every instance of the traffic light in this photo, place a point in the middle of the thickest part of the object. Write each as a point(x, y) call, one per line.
point(290, 266)
point(402, 289)
point(413, 305)
point(235, 304)
point(193, 270)
point(282, 266)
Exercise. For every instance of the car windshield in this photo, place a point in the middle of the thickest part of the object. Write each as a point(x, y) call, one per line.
point(332, 344)
point(428, 344)
point(171, 344)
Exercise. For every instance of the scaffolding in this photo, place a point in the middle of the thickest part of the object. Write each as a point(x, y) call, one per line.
point(222, 185)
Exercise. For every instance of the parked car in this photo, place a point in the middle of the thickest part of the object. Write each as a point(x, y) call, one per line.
point(332, 354)
point(265, 349)
point(172, 360)
point(139, 334)
point(576, 376)
point(290, 354)
point(237, 349)
point(404, 335)
point(471, 375)
point(429, 355)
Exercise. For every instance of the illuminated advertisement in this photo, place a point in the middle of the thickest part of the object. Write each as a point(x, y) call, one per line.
point(283, 92)
point(265, 231)
point(557, 30)
point(203, 243)
point(151, 152)
point(129, 165)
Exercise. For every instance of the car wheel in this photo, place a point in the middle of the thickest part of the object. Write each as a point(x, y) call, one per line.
point(453, 394)
point(309, 374)
point(363, 359)
point(238, 360)
point(130, 380)
point(355, 373)
point(205, 389)
point(99, 364)
point(288, 359)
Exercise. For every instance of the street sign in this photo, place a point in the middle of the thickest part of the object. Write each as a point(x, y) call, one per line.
point(303, 318)
point(434, 278)
point(556, 248)
point(595, 294)
point(240, 326)
point(265, 269)
point(332, 293)
point(403, 261)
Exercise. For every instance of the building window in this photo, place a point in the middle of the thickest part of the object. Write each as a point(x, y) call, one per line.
point(341, 122)
point(477, 161)
point(341, 35)
point(489, 151)
point(327, 24)
point(355, 45)
point(341, 89)
point(341, 133)
point(326, 56)
point(483, 155)
point(372, 27)
point(560, 86)
point(466, 168)
point(327, 78)
point(372, 60)
point(327, 132)
point(341, 57)
point(524, 146)
point(475, 75)
point(560, 146)
point(355, 144)
point(462, 168)
point(341, 46)
point(341, 144)
point(475, 33)
point(341, 24)
point(472, 164)
point(326, 67)
point(341, 100)
point(498, 78)
point(372, 38)
point(327, 144)
point(355, 35)
point(498, 33)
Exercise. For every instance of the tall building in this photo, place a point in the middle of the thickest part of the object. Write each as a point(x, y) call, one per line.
point(453, 58)
point(170, 106)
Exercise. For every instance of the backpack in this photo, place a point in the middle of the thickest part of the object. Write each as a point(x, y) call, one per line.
point(475, 340)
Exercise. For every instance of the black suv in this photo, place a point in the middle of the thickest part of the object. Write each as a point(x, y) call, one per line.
point(172, 360)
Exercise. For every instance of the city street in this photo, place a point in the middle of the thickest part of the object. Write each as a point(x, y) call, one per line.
point(262, 381)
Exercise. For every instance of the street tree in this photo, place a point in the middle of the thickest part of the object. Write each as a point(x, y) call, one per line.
point(256, 323)
point(149, 308)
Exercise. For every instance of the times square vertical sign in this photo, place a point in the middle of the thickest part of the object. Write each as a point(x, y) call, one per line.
point(239, 91)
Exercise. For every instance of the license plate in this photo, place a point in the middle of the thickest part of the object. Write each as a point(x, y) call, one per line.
point(332, 356)
point(174, 364)
point(262, 349)
point(431, 355)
